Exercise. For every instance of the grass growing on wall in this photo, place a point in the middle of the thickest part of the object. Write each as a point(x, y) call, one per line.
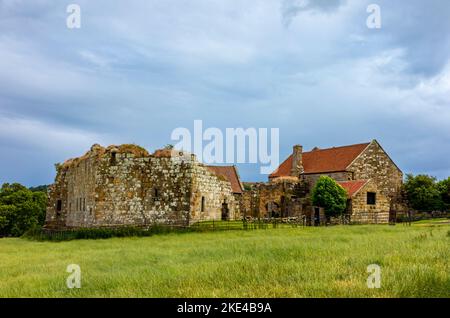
point(288, 262)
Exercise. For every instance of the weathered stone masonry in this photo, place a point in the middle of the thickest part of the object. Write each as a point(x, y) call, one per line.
point(365, 170)
point(124, 185)
point(375, 164)
point(362, 212)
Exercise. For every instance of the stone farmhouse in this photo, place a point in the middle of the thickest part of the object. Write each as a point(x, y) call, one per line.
point(125, 185)
point(372, 180)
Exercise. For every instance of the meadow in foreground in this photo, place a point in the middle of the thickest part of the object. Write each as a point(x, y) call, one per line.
point(288, 262)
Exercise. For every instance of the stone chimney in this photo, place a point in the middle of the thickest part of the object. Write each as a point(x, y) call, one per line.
point(297, 161)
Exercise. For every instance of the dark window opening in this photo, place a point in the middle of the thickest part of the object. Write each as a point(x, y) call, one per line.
point(283, 206)
point(58, 206)
point(273, 209)
point(203, 205)
point(84, 204)
point(155, 194)
point(371, 198)
point(316, 216)
point(113, 158)
point(225, 212)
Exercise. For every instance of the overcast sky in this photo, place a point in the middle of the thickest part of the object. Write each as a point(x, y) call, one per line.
point(136, 70)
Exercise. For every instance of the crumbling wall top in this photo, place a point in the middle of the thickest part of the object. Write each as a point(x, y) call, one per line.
point(97, 151)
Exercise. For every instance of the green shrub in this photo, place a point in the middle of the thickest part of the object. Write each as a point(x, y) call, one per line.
point(39, 234)
point(327, 193)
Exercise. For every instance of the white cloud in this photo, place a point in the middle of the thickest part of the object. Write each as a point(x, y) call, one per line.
point(135, 69)
point(95, 59)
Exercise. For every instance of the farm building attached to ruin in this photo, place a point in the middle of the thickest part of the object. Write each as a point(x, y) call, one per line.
point(371, 178)
point(125, 185)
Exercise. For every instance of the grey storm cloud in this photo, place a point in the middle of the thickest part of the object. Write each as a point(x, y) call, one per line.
point(291, 8)
point(422, 29)
point(137, 70)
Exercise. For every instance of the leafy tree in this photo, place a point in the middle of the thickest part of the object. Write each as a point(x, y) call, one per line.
point(327, 193)
point(444, 189)
point(41, 188)
point(422, 192)
point(20, 209)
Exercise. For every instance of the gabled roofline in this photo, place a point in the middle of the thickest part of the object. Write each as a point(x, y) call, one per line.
point(388, 156)
point(370, 143)
point(273, 172)
point(211, 168)
point(238, 178)
point(271, 175)
point(357, 191)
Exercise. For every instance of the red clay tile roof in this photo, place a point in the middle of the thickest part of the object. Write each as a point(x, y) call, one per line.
point(353, 186)
point(323, 160)
point(229, 173)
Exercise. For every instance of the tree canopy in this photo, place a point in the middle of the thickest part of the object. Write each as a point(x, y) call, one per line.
point(444, 190)
point(424, 193)
point(327, 193)
point(20, 209)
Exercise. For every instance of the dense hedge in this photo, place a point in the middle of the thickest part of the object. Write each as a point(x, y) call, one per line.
point(40, 234)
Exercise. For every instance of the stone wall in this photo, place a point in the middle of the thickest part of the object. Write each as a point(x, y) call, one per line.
point(141, 191)
point(275, 199)
point(75, 189)
point(216, 194)
point(126, 186)
point(338, 176)
point(376, 165)
point(361, 212)
point(57, 192)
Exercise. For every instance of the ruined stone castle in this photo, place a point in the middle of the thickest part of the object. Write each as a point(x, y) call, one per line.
point(125, 185)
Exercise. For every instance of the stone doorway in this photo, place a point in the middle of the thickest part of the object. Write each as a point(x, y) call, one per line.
point(316, 216)
point(392, 216)
point(273, 209)
point(225, 212)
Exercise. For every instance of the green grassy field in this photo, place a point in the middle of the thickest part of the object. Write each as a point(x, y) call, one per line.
point(287, 262)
